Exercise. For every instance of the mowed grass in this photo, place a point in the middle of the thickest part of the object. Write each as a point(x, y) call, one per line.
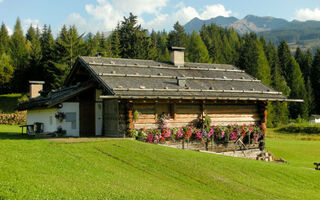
point(127, 169)
point(9, 102)
point(300, 150)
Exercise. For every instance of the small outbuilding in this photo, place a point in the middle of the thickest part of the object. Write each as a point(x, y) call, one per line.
point(100, 96)
point(315, 119)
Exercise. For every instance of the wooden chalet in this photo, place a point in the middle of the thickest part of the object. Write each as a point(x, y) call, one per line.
point(103, 93)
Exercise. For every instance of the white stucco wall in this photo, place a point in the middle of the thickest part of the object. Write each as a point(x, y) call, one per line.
point(47, 117)
point(70, 108)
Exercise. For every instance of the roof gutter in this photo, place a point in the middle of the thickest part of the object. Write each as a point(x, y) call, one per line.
point(201, 98)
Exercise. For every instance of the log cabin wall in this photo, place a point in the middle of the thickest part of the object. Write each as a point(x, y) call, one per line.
point(233, 114)
point(184, 113)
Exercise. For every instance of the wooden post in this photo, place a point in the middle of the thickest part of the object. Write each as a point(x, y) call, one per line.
point(173, 110)
point(203, 112)
point(264, 115)
point(130, 123)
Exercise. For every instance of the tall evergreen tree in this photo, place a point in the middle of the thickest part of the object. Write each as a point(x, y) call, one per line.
point(315, 80)
point(298, 90)
point(278, 111)
point(177, 37)
point(19, 55)
point(134, 42)
point(285, 58)
point(92, 45)
point(253, 60)
point(36, 70)
point(18, 48)
point(197, 50)
point(4, 39)
point(69, 44)
point(305, 62)
point(6, 73)
point(291, 71)
point(115, 42)
point(104, 46)
point(47, 45)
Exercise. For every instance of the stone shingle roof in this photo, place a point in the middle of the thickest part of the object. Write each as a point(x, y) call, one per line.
point(133, 78)
point(54, 97)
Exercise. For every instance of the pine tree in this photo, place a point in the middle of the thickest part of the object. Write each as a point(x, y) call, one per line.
point(115, 42)
point(278, 111)
point(4, 39)
point(104, 46)
point(6, 73)
point(134, 42)
point(47, 45)
point(18, 48)
point(284, 56)
point(36, 70)
point(91, 45)
point(291, 71)
point(298, 90)
point(177, 37)
point(69, 45)
point(253, 60)
point(315, 80)
point(197, 50)
point(305, 62)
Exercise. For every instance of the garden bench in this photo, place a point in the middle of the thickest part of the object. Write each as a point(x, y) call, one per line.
point(29, 128)
point(317, 166)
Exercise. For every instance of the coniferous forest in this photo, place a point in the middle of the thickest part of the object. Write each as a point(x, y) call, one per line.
point(37, 55)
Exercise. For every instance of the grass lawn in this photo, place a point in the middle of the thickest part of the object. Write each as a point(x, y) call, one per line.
point(300, 150)
point(9, 102)
point(127, 169)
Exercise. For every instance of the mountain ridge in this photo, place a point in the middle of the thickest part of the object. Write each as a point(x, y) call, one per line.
point(298, 33)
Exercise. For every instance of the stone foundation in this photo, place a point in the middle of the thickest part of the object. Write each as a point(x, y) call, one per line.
point(211, 146)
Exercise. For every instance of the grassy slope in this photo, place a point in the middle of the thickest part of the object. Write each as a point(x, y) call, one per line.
point(8, 102)
point(125, 169)
point(300, 150)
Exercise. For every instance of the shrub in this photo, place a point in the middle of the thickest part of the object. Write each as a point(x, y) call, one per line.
point(301, 128)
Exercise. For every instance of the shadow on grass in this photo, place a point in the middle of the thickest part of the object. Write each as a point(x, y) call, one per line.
point(14, 136)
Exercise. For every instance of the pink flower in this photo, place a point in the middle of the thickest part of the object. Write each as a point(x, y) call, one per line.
point(199, 134)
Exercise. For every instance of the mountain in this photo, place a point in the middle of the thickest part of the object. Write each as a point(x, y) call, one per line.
point(196, 23)
point(305, 34)
point(250, 23)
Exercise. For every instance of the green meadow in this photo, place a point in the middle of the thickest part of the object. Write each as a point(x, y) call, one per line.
point(103, 168)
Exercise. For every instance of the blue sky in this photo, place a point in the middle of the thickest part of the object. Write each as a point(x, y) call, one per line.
point(103, 15)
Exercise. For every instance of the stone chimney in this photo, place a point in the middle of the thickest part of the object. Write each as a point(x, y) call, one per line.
point(35, 88)
point(182, 81)
point(177, 56)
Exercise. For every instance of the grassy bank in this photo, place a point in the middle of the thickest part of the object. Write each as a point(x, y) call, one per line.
point(9, 102)
point(126, 169)
point(300, 150)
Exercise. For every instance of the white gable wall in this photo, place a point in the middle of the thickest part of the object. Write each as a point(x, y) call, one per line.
point(71, 123)
point(45, 116)
point(51, 124)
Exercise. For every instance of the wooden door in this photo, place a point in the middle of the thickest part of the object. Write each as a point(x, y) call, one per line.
point(87, 119)
point(111, 118)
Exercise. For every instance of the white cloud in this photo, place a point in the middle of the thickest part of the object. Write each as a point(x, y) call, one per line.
point(308, 14)
point(27, 22)
point(184, 14)
point(212, 11)
point(1, 1)
point(106, 14)
point(10, 31)
point(112, 12)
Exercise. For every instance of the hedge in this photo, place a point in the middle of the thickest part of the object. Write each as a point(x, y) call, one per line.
point(302, 128)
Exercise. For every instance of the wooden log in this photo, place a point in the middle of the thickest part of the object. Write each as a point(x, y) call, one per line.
point(130, 123)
